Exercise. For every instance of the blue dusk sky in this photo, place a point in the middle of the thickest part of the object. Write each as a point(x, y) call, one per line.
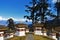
point(13, 8)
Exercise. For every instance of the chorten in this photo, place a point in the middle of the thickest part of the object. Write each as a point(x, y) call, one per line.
point(44, 32)
point(20, 29)
point(2, 30)
point(38, 28)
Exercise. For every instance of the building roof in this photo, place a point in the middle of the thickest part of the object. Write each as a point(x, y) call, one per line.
point(57, 29)
point(38, 25)
point(9, 31)
point(21, 25)
point(3, 28)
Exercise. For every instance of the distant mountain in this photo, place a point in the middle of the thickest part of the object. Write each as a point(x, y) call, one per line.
point(4, 22)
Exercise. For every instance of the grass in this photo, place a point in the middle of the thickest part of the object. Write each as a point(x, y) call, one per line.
point(29, 33)
point(17, 38)
point(37, 37)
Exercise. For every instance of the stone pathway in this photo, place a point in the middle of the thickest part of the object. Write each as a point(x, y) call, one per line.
point(29, 37)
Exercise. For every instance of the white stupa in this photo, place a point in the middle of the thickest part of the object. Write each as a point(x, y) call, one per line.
point(2, 30)
point(53, 35)
point(1, 35)
point(20, 29)
point(27, 30)
point(9, 34)
point(44, 32)
point(38, 29)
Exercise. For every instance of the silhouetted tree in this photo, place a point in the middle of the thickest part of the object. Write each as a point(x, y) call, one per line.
point(39, 11)
point(56, 22)
point(31, 10)
point(11, 24)
point(57, 6)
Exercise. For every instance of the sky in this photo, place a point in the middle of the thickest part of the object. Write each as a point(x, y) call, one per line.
point(14, 9)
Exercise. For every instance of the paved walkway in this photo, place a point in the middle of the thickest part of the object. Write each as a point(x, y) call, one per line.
point(29, 37)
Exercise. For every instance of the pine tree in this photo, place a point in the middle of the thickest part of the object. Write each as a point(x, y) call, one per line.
point(39, 11)
point(11, 24)
point(31, 10)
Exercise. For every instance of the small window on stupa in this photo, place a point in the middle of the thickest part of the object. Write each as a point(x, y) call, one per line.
point(0, 34)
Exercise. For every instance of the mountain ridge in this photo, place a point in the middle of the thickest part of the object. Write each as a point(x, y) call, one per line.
point(4, 22)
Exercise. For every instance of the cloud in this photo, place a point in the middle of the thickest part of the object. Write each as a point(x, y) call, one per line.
point(15, 19)
point(54, 1)
point(1, 18)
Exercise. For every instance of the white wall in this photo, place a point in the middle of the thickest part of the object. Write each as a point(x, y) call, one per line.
point(38, 32)
point(21, 33)
point(1, 37)
point(20, 28)
point(1, 32)
point(27, 30)
point(45, 34)
point(9, 36)
point(54, 37)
